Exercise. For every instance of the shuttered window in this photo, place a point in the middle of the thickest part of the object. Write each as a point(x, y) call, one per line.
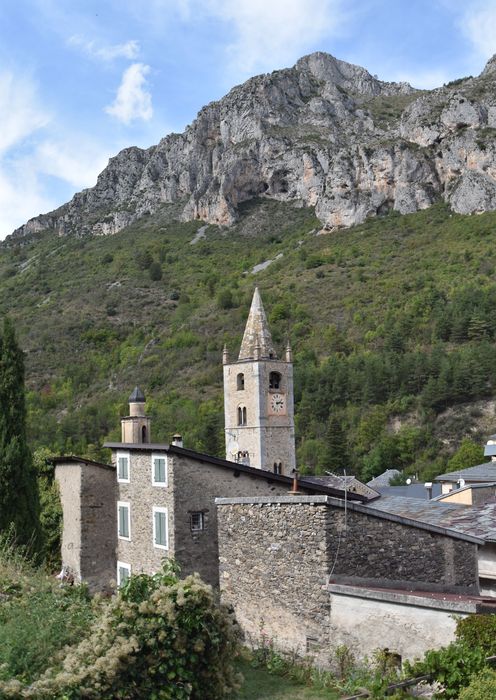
point(160, 533)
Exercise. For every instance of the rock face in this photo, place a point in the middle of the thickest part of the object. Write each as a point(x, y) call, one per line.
point(323, 133)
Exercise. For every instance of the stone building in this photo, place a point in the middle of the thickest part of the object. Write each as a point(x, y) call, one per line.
point(258, 399)
point(155, 500)
point(313, 572)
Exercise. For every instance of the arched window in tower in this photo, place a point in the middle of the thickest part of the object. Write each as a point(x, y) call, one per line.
point(274, 380)
point(143, 434)
point(277, 467)
point(240, 382)
point(241, 415)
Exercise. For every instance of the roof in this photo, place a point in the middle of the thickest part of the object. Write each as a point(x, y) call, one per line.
point(476, 521)
point(351, 483)
point(234, 466)
point(414, 490)
point(137, 396)
point(383, 479)
point(481, 472)
point(365, 508)
point(257, 340)
point(71, 459)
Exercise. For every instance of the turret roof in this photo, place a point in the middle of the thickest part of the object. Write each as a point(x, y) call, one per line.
point(257, 340)
point(137, 396)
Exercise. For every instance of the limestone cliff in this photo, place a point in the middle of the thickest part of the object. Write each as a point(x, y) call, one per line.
point(323, 133)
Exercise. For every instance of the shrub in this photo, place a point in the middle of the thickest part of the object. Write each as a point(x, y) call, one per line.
point(478, 631)
point(159, 638)
point(482, 686)
point(155, 271)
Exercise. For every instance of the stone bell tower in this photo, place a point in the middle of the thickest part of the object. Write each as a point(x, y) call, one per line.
point(258, 399)
point(135, 428)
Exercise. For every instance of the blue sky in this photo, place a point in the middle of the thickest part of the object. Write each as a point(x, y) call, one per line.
point(79, 80)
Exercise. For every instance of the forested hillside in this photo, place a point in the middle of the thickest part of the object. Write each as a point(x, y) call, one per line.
point(391, 324)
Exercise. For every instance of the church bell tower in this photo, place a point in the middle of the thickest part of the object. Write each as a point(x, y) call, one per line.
point(258, 399)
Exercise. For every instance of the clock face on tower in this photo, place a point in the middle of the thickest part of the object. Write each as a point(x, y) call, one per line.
point(277, 405)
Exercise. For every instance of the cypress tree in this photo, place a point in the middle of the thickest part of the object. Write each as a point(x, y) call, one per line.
point(19, 502)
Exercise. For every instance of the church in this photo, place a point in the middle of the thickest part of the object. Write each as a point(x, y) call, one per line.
point(157, 500)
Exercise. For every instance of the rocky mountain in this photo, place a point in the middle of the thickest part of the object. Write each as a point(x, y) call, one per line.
point(324, 133)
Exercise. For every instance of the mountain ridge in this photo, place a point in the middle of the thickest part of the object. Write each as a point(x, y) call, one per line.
point(323, 133)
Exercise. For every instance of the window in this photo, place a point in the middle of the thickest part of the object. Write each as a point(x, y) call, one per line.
point(160, 531)
point(143, 434)
point(123, 572)
point(241, 415)
point(240, 382)
point(274, 380)
point(197, 521)
point(123, 520)
point(277, 467)
point(159, 470)
point(123, 471)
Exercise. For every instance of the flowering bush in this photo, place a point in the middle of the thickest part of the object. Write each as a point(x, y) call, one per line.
point(160, 638)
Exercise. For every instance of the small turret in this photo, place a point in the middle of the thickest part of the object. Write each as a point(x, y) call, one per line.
point(225, 355)
point(289, 352)
point(135, 428)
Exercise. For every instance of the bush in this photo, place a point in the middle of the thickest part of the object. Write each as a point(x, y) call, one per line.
point(159, 638)
point(482, 686)
point(155, 271)
point(478, 631)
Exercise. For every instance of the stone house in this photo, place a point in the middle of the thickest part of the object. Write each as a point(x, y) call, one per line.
point(313, 572)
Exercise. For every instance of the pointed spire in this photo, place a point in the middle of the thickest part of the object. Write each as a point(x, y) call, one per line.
point(257, 340)
point(289, 352)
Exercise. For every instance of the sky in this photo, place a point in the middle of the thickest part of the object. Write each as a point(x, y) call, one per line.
point(82, 79)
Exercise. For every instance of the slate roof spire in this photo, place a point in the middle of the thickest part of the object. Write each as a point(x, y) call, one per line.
point(137, 396)
point(257, 340)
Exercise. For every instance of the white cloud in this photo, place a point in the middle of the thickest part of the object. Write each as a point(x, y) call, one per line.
point(133, 100)
point(20, 112)
point(75, 159)
point(20, 197)
point(479, 25)
point(130, 49)
point(276, 32)
point(426, 80)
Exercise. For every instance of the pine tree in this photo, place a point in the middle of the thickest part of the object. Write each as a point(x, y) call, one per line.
point(19, 503)
point(336, 455)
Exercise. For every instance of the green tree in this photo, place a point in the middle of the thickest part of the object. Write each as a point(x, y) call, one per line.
point(468, 455)
point(19, 501)
point(336, 452)
point(155, 271)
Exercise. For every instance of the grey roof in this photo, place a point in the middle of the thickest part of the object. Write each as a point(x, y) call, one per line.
point(416, 490)
point(137, 396)
point(257, 339)
point(383, 479)
point(234, 466)
point(481, 472)
point(351, 483)
point(72, 459)
point(477, 521)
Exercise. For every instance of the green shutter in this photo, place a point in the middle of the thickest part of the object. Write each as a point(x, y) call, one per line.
point(159, 466)
point(123, 521)
point(123, 468)
point(161, 528)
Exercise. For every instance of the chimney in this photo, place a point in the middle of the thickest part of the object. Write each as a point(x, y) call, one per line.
point(177, 440)
point(225, 355)
point(428, 487)
point(294, 488)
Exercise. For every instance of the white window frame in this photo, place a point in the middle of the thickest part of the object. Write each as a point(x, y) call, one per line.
point(163, 456)
point(124, 504)
point(124, 455)
point(122, 565)
point(156, 510)
point(202, 521)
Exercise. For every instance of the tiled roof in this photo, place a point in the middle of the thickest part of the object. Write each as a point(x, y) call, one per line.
point(383, 479)
point(337, 481)
point(478, 521)
point(481, 472)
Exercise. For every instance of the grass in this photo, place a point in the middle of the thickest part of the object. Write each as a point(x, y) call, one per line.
point(259, 684)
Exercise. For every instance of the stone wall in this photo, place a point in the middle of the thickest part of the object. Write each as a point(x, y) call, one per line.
point(378, 550)
point(366, 620)
point(278, 555)
point(88, 495)
point(68, 477)
point(142, 495)
point(196, 485)
point(98, 526)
